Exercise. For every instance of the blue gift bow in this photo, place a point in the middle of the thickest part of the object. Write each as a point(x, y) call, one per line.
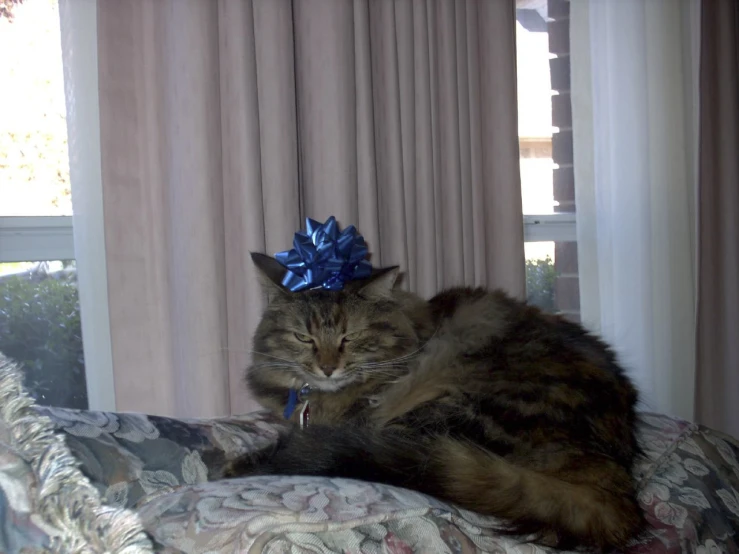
point(324, 257)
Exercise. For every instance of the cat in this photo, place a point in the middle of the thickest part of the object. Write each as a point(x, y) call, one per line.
point(472, 397)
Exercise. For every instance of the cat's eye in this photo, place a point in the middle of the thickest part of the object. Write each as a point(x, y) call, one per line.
point(303, 338)
point(351, 336)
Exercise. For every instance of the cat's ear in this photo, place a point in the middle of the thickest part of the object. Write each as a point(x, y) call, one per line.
point(270, 273)
point(381, 282)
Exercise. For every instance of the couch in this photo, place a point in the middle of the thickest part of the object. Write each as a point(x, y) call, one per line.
point(83, 481)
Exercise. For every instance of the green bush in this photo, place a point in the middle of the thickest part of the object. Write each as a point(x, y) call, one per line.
point(540, 279)
point(40, 328)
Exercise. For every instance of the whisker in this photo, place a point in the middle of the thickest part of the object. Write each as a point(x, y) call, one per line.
point(385, 376)
point(398, 361)
point(388, 372)
point(245, 351)
point(276, 364)
point(385, 366)
point(388, 375)
point(401, 359)
point(272, 356)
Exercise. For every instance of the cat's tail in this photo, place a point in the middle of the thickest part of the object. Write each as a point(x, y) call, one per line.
point(576, 503)
point(581, 502)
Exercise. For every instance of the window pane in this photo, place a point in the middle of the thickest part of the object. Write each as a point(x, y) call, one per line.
point(552, 277)
point(545, 142)
point(40, 328)
point(34, 163)
point(535, 110)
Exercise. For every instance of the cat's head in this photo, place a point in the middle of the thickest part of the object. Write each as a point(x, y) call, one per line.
point(331, 338)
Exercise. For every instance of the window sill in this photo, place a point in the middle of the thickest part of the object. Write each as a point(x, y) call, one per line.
point(36, 238)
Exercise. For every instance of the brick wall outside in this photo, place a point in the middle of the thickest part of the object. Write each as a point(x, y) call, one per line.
point(567, 287)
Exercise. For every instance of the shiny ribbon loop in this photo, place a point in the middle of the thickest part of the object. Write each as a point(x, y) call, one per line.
point(323, 256)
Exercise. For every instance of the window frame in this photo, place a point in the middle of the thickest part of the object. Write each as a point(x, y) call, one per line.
point(78, 22)
point(81, 236)
point(36, 238)
point(556, 227)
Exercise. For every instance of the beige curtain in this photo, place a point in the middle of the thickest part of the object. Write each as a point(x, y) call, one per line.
point(224, 124)
point(717, 387)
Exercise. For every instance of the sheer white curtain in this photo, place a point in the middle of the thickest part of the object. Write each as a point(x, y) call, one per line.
point(634, 94)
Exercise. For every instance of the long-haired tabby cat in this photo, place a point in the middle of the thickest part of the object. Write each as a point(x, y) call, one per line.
point(472, 397)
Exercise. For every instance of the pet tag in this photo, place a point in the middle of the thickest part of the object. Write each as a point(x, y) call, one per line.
point(304, 416)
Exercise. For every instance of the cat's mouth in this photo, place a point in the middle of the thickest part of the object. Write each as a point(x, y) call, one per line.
point(330, 383)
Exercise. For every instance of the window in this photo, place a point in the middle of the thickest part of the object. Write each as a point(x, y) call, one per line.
point(545, 142)
point(34, 161)
point(39, 301)
point(40, 328)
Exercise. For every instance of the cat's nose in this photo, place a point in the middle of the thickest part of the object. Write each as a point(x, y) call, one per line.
point(327, 370)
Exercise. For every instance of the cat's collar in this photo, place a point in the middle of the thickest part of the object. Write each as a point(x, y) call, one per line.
point(298, 395)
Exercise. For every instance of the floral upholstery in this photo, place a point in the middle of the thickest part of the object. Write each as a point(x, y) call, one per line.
point(128, 456)
point(688, 485)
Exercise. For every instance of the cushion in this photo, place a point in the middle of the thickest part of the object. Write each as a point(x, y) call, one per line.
point(129, 455)
point(687, 482)
point(305, 514)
